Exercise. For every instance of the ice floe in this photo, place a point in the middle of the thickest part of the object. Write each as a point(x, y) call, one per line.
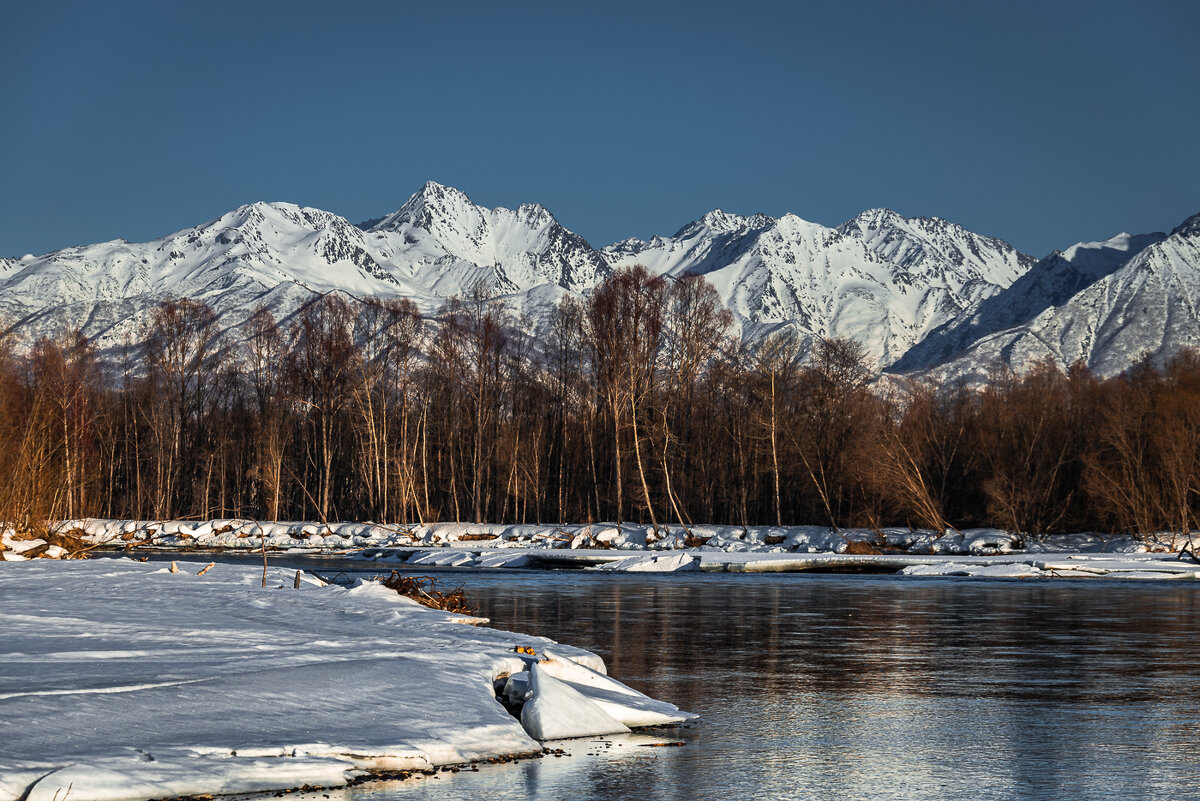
point(653, 563)
point(556, 710)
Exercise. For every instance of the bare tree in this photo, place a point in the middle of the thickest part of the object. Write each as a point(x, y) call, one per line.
point(697, 325)
point(264, 351)
point(1026, 440)
point(183, 351)
point(917, 448)
point(776, 366)
point(835, 422)
point(404, 335)
point(626, 317)
point(323, 360)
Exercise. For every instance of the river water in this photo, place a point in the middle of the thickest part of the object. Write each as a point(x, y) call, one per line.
point(863, 687)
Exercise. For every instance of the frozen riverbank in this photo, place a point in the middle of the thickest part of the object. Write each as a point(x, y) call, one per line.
point(973, 552)
point(126, 681)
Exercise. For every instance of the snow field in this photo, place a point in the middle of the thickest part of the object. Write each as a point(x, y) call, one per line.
point(127, 681)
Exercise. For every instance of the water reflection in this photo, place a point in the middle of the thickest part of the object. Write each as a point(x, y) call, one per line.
point(866, 687)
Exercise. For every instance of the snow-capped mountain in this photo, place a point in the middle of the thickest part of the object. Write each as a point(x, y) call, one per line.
point(273, 253)
point(446, 242)
point(436, 245)
point(921, 294)
point(1049, 283)
point(1107, 304)
point(880, 278)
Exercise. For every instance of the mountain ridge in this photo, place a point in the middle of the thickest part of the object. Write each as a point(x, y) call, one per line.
point(921, 294)
point(1144, 306)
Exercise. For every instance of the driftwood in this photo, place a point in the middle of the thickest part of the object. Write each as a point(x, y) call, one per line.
point(424, 590)
point(1189, 549)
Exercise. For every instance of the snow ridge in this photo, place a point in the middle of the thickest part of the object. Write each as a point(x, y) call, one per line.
point(880, 278)
point(440, 227)
point(920, 294)
point(1106, 304)
point(1049, 283)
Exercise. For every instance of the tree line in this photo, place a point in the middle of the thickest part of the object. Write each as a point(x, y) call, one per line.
point(637, 404)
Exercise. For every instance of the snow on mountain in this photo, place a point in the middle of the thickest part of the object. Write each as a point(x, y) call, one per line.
point(439, 231)
point(1107, 304)
point(915, 292)
point(880, 278)
point(278, 254)
point(714, 241)
point(255, 253)
point(1049, 283)
point(927, 248)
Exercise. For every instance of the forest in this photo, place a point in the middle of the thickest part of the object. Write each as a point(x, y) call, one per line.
point(637, 403)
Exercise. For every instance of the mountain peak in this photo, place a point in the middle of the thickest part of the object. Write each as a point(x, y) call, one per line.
point(433, 193)
point(432, 189)
point(431, 201)
point(880, 219)
point(251, 214)
point(536, 212)
point(872, 219)
point(1189, 227)
point(1101, 258)
point(276, 214)
point(720, 221)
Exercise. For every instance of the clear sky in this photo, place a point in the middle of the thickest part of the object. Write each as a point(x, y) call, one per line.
point(1042, 123)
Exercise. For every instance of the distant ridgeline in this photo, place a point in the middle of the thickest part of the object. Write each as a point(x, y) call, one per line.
point(637, 401)
point(919, 295)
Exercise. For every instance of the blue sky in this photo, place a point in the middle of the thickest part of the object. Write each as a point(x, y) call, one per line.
point(1042, 123)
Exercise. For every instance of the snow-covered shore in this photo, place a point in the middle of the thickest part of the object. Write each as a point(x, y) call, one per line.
point(630, 547)
point(124, 680)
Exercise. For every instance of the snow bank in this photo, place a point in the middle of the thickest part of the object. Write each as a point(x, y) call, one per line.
point(1003, 570)
point(652, 563)
point(1135, 566)
point(237, 534)
point(977, 541)
point(123, 680)
point(17, 550)
point(182, 773)
point(623, 704)
point(564, 698)
point(631, 547)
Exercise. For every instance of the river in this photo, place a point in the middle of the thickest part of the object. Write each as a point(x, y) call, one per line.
point(864, 687)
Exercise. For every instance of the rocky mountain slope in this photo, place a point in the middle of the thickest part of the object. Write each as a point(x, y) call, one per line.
point(1107, 304)
point(436, 245)
point(880, 278)
point(920, 294)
